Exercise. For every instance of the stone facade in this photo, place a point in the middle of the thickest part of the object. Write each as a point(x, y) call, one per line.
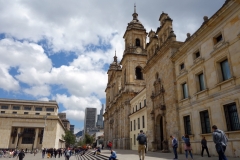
point(30, 124)
point(138, 118)
point(65, 121)
point(209, 64)
point(125, 80)
point(189, 85)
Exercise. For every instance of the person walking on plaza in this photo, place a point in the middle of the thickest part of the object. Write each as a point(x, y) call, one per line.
point(204, 146)
point(187, 146)
point(113, 155)
point(142, 140)
point(21, 155)
point(220, 140)
point(68, 153)
point(43, 152)
point(175, 146)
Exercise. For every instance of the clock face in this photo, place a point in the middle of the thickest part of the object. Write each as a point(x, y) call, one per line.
point(139, 50)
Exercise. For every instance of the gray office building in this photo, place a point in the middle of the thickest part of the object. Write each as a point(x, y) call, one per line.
point(72, 128)
point(100, 118)
point(90, 119)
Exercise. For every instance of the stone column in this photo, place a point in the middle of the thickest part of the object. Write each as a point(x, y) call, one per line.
point(165, 141)
point(36, 138)
point(16, 140)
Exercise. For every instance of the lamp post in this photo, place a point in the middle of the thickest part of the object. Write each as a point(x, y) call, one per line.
point(45, 124)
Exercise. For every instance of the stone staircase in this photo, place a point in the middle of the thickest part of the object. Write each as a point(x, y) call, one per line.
point(89, 155)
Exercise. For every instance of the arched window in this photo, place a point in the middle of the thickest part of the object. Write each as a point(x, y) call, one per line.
point(138, 73)
point(137, 42)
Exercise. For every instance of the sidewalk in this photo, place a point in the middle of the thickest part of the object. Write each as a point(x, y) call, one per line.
point(133, 155)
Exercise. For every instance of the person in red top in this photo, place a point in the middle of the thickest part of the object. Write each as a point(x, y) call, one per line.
point(110, 145)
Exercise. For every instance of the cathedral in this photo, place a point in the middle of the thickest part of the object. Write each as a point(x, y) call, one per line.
point(168, 87)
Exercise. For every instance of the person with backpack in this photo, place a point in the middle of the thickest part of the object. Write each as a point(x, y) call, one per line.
point(68, 153)
point(175, 146)
point(21, 155)
point(220, 140)
point(187, 146)
point(142, 140)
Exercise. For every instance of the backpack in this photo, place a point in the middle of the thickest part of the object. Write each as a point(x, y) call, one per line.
point(68, 153)
point(142, 140)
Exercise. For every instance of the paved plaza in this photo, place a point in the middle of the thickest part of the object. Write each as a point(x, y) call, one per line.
point(125, 155)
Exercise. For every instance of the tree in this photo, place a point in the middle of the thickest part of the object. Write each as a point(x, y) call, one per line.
point(88, 139)
point(69, 138)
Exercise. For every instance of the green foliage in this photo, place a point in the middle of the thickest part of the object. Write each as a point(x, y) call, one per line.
point(88, 139)
point(69, 138)
point(81, 143)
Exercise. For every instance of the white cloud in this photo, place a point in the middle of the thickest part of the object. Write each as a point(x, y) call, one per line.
point(74, 26)
point(7, 82)
point(75, 106)
point(38, 91)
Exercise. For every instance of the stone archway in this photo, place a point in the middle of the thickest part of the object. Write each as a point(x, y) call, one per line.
point(159, 132)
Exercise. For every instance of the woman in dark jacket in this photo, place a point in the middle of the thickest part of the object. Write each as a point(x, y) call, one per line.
point(187, 146)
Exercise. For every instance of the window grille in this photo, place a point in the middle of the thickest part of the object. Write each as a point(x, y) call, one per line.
point(187, 125)
point(231, 115)
point(205, 122)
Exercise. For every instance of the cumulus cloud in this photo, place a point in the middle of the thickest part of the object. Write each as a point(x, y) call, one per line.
point(75, 106)
point(92, 30)
point(7, 82)
point(38, 91)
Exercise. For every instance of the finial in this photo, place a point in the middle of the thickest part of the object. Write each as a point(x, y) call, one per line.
point(115, 57)
point(134, 7)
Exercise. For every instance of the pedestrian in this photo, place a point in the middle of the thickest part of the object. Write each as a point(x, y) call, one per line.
point(21, 155)
point(110, 145)
point(102, 146)
point(55, 152)
point(175, 146)
point(113, 155)
point(204, 146)
point(187, 146)
point(43, 153)
point(142, 140)
point(220, 140)
point(68, 153)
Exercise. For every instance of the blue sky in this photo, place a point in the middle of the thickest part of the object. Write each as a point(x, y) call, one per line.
point(61, 50)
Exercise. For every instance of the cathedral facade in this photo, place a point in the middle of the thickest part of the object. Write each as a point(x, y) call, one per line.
point(189, 86)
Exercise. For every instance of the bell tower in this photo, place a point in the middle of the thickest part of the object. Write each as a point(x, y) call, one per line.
point(134, 56)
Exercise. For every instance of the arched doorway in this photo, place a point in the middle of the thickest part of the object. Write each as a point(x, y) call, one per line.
point(159, 132)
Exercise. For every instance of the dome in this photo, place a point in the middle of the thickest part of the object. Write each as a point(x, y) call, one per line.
point(135, 23)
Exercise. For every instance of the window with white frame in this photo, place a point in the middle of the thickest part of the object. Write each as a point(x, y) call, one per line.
point(201, 82)
point(185, 90)
point(225, 69)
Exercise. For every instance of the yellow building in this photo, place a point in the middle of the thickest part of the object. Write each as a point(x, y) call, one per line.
point(189, 86)
point(138, 118)
point(207, 68)
point(30, 124)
